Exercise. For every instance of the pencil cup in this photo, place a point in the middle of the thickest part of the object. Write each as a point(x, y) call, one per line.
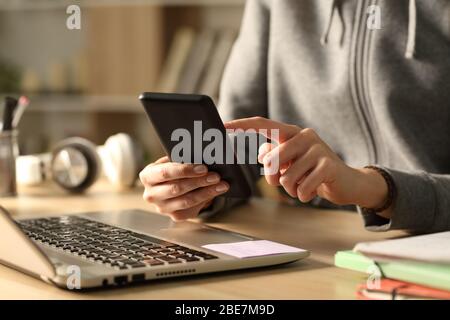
point(9, 151)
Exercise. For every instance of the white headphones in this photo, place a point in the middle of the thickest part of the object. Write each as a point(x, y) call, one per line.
point(76, 163)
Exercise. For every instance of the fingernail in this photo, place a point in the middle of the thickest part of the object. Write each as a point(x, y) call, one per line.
point(200, 169)
point(221, 187)
point(212, 178)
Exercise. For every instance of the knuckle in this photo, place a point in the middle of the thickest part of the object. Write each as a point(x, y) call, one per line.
point(147, 196)
point(174, 189)
point(309, 133)
point(163, 172)
point(187, 202)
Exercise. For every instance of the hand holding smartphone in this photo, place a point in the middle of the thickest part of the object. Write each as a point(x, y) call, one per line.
point(194, 137)
point(191, 131)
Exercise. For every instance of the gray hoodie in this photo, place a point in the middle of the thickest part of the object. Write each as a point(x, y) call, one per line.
point(376, 96)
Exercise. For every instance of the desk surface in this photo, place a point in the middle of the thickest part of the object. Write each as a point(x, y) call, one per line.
point(322, 231)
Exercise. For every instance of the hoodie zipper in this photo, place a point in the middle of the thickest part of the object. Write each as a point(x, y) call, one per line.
point(359, 77)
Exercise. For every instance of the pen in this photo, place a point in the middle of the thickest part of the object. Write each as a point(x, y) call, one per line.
point(23, 104)
point(10, 106)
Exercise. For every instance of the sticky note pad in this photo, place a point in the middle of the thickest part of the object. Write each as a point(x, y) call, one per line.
point(254, 248)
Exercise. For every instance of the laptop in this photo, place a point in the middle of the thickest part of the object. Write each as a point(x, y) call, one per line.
point(116, 248)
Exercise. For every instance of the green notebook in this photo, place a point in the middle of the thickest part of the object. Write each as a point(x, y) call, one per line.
point(426, 274)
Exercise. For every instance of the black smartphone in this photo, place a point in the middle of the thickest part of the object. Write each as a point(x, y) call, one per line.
point(191, 131)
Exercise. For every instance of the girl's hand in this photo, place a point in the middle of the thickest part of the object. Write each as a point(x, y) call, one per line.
point(180, 190)
point(306, 166)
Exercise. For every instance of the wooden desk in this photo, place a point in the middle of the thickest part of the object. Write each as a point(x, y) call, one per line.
point(321, 231)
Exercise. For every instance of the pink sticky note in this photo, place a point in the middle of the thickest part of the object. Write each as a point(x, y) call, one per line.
point(254, 248)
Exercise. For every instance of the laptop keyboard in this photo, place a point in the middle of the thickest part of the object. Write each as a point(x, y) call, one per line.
point(108, 245)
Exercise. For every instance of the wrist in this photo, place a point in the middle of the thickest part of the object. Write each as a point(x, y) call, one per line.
point(371, 189)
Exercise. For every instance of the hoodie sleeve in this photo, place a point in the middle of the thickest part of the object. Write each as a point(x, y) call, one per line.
point(421, 204)
point(243, 91)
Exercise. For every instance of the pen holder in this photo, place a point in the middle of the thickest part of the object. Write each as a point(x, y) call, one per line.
point(9, 151)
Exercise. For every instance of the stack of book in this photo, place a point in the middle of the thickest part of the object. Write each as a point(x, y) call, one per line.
point(196, 61)
point(402, 269)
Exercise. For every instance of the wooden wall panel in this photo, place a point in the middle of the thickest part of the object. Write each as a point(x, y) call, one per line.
point(124, 49)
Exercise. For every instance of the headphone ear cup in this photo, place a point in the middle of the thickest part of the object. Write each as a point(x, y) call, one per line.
point(93, 164)
point(32, 170)
point(119, 160)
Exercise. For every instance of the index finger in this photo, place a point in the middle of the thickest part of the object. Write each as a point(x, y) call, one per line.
point(265, 127)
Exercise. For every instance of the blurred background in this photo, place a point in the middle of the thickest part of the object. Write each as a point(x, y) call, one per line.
point(86, 82)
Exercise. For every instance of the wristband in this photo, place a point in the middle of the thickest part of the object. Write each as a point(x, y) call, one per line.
point(392, 191)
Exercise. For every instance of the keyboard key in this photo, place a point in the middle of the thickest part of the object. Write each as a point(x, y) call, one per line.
point(159, 249)
point(190, 259)
point(185, 257)
point(148, 246)
point(155, 255)
point(209, 257)
point(165, 251)
point(138, 265)
point(190, 251)
point(137, 242)
point(153, 262)
point(136, 257)
point(147, 253)
point(169, 260)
